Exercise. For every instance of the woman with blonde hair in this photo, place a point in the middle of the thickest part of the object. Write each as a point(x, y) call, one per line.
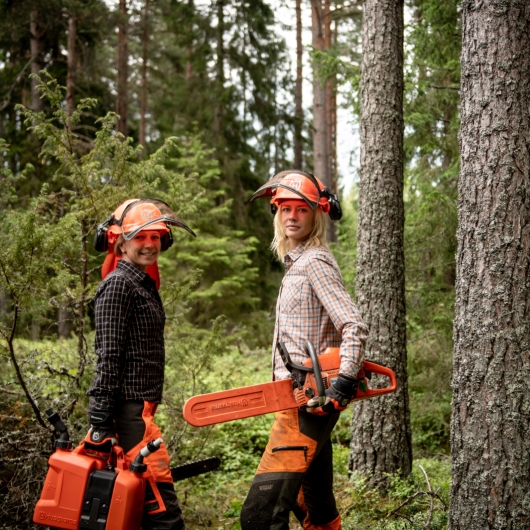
point(296, 470)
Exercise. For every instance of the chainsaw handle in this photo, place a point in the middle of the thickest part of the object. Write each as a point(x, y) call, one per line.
point(379, 369)
point(316, 370)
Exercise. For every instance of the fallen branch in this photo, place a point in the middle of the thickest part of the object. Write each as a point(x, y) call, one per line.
point(432, 494)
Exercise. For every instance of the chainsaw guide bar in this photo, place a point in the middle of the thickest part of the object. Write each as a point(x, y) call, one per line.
point(264, 398)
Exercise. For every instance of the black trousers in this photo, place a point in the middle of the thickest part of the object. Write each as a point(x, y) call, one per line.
point(298, 458)
point(135, 426)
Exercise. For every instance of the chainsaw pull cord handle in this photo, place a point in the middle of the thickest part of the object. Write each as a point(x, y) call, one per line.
point(321, 389)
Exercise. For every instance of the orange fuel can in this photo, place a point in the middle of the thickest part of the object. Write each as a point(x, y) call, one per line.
point(63, 493)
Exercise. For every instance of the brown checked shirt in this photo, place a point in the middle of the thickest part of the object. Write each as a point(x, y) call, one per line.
point(314, 305)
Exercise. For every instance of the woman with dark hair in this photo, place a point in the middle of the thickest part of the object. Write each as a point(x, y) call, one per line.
point(129, 344)
point(296, 470)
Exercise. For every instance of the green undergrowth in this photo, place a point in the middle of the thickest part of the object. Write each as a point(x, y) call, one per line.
point(214, 500)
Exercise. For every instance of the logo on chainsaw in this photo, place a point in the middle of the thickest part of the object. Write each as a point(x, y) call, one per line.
point(229, 404)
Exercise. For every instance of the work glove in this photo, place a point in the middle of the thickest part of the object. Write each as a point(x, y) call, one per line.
point(102, 434)
point(338, 395)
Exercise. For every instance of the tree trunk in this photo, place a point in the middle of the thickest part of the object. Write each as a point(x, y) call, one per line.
point(37, 57)
point(71, 76)
point(298, 113)
point(490, 426)
point(123, 59)
point(143, 88)
point(320, 154)
point(329, 88)
point(381, 438)
point(218, 116)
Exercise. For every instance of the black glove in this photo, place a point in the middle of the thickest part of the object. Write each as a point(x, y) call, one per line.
point(338, 395)
point(102, 434)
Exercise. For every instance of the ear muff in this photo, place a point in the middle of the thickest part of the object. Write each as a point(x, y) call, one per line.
point(274, 209)
point(101, 237)
point(335, 209)
point(166, 241)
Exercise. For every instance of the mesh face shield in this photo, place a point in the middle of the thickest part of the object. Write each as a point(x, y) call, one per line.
point(149, 214)
point(298, 184)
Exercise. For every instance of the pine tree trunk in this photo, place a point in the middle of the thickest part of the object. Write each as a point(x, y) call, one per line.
point(122, 76)
point(218, 116)
point(71, 76)
point(490, 427)
point(381, 438)
point(298, 113)
point(329, 89)
point(320, 155)
point(143, 87)
point(37, 57)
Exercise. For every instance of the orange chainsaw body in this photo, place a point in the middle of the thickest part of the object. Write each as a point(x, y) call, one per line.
point(254, 400)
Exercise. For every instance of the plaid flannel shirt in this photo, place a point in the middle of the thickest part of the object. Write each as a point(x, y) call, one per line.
point(314, 305)
point(129, 342)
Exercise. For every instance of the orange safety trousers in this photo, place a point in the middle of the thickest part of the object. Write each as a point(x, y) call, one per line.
point(295, 474)
point(158, 464)
point(136, 427)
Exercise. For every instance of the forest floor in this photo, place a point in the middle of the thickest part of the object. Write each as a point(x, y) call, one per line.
point(214, 500)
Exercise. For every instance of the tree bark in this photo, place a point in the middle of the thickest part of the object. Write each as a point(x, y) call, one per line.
point(71, 76)
point(143, 88)
point(122, 67)
point(218, 116)
point(329, 89)
point(298, 113)
point(381, 437)
point(490, 426)
point(37, 57)
point(320, 154)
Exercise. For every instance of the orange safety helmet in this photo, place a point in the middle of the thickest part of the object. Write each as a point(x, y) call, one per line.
point(298, 184)
point(130, 218)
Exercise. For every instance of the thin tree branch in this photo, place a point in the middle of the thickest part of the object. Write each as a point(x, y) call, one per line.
point(427, 525)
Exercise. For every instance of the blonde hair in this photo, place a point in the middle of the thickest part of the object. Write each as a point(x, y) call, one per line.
point(117, 246)
point(317, 237)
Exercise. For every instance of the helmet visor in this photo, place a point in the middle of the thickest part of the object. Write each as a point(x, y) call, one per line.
point(297, 182)
point(145, 213)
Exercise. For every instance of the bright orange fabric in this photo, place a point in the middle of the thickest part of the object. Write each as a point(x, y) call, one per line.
point(158, 464)
point(111, 260)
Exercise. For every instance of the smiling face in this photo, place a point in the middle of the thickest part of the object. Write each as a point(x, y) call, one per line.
point(143, 249)
point(297, 220)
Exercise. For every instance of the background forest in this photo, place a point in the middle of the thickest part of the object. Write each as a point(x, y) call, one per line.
point(198, 103)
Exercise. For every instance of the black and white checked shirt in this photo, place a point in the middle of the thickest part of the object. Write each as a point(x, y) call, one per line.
point(129, 343)
point(314, 305)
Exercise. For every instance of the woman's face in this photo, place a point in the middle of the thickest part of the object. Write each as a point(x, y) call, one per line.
point(143, 249)
point(297, 220)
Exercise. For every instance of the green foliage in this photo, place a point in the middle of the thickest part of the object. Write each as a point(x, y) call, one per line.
point(46, 264)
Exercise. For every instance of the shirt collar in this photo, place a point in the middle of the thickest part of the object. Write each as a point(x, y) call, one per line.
point(132, 271)
point(293, 255)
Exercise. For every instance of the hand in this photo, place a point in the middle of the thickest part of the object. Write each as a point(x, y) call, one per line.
point(338, 396)
point(102, 434)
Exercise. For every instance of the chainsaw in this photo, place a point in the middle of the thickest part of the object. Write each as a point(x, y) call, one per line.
point(320, 372)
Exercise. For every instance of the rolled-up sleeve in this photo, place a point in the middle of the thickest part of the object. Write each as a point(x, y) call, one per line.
point(327, 284)
point(111, 314)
